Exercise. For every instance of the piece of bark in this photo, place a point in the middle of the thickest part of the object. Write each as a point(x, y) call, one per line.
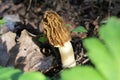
point(26, 55)
point(29, 57)
point(7, 42)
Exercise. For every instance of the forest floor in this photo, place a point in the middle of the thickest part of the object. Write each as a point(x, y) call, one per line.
point(32, 55)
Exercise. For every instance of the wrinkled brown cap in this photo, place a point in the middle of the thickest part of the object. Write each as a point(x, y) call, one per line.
point(55, 29)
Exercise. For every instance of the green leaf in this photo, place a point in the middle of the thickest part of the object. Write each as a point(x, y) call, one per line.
point(67, 25)
point(15, 74)
point(33, 76)
point(79, 29)
point(43, 39)
point(2, 22)
point(81, 73)
point(9, 73)
point(102, 58)
point(110, 33)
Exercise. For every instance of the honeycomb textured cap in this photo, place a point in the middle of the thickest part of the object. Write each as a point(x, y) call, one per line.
point(54, 28)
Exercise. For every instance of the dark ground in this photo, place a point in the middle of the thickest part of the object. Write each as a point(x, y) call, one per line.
point(88, 13)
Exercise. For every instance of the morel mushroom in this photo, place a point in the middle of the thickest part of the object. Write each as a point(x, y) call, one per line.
point(58, 36)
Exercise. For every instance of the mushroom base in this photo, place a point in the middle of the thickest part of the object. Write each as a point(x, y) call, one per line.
point(67, 55)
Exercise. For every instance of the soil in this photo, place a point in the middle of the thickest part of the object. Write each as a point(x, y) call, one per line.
point(29, 54)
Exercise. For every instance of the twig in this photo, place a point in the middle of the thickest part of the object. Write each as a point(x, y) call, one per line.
point(30, 2)
point(109, 9)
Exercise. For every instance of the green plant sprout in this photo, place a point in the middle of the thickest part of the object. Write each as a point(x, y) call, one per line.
point(103, 53)
point(79, 29)
point(67, 25)
point(2, 22)
point(33, 76)
point(15, 74)
point(43, 38)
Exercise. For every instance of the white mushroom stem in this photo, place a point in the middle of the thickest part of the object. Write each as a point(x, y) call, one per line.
point(67, 55)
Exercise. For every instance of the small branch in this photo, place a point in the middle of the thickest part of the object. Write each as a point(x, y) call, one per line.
point(30, 2)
